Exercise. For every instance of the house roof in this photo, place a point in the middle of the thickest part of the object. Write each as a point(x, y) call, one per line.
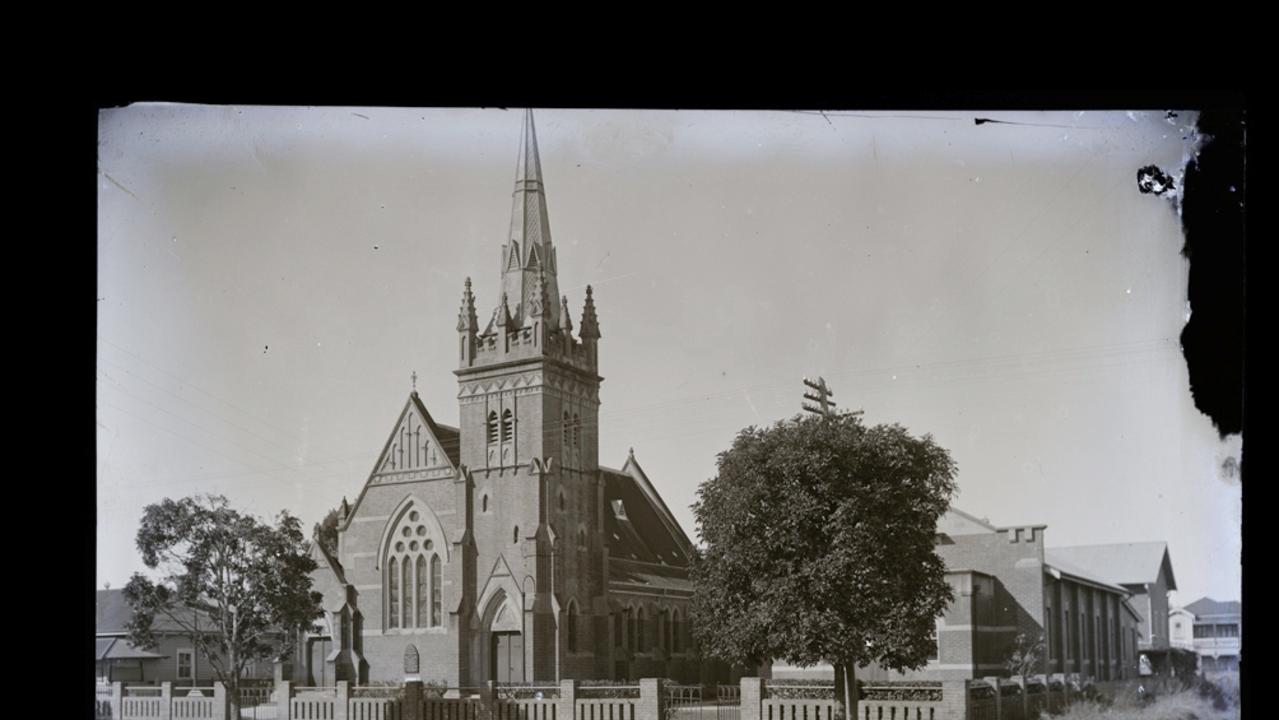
point(1122, 563)
point(637, 524)
point(112, 614)
point(120, 649)
point(1208, 606)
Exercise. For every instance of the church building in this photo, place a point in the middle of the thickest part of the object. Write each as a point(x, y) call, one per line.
point(500, 549)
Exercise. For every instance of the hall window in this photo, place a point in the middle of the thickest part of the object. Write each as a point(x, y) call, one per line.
point(641, 641)
point(507, 424)
point(572, 626)
point(676, 628)
point(492, 427)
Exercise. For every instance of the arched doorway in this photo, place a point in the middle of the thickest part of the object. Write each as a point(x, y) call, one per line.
point(505, 642)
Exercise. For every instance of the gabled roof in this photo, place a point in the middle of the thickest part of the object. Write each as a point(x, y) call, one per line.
point(447, 437)
point(1207, 606)
point(957, 522)
point(112, 613)
point(645, 530)
point(1121, 563)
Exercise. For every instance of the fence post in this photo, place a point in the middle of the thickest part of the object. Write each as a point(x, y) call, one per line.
point(994, 681)
point(342, 705)
point(283, 690)
point(752, 698)
point(488, 701)
point(567, 709)
point(166, 701)
point(221, 710)
point(651, 700)
point(954, 699)
point(117, 700)
point(412, 708)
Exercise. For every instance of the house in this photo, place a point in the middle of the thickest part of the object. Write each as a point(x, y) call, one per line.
point(500, 549)
point(1006, 583)
point(176, 658)
point(1181, 623)
point(1217, 634)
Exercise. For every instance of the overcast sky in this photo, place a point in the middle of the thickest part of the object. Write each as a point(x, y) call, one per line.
point(270, 277)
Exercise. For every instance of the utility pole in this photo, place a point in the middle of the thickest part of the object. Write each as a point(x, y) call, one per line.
point(822, 396)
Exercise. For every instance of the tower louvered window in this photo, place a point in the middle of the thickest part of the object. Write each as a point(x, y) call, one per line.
point(507, 425)
point(492, 427)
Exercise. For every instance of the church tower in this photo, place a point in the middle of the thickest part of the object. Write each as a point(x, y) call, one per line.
point(528, 400)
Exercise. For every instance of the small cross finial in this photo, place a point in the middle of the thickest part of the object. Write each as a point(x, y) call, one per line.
point(413, 379)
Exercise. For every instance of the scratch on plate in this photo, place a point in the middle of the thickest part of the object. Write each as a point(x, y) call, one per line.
point(117, 184)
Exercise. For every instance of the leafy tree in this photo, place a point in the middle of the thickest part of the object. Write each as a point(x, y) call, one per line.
point(1025, 656)
point(818, 540)
point(239, 587)
point(327, 532)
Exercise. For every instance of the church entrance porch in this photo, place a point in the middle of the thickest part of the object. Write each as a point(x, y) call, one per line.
point(506, 659)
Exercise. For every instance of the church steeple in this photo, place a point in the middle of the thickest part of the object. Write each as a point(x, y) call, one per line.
point(528, 253)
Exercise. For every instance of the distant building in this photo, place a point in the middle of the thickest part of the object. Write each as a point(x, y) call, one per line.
point(1181, 628)
point(1218, 634)
point(1006, 583)
point(176, 659)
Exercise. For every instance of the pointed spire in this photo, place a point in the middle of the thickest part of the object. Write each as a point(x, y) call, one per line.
point(590, 329)
point(539, 302)
point(502, 316)
point(528, 246)
point(466, 320)
point(566, 323)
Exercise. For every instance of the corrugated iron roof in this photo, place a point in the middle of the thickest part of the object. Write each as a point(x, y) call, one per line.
point(112, 613)
point(1208, 606)
point(1121, 563)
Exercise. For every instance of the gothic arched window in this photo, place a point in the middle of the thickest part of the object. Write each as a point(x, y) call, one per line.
point(492, 427)
point(577, 432)
point(420, 579)
point(393, 570)
point(507, 425)
point(676, 645)
point(568, 430)
point(412, 574)
point(641, 642)
point(435, 591)
point(630, 628)
point(572, 626)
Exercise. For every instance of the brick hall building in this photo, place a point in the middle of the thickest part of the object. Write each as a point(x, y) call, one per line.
point(1006, 582)
point(501, 549)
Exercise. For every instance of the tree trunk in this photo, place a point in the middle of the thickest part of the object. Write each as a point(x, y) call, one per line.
point(846, 689)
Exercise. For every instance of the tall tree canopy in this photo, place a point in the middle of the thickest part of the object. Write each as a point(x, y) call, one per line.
point(819, 540)
point(248, 581)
